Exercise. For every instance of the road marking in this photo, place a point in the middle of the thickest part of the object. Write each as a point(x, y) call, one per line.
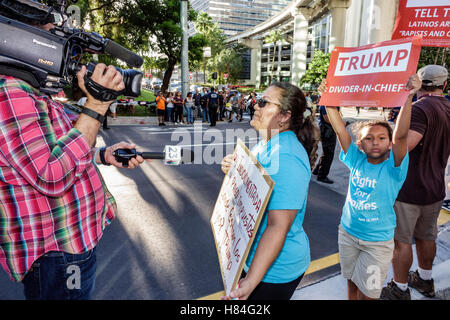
point(314, 266)
point(214, 296)
point(444, 217)
point(322, 263)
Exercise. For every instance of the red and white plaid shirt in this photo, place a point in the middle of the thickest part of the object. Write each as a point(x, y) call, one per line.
point(52, 196)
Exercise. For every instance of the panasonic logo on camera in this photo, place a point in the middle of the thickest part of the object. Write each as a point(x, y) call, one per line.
point(44, 44)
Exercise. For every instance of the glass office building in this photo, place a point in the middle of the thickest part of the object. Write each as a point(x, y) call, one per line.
point(236, 16)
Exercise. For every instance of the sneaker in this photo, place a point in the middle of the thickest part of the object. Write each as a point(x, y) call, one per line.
point(425, 287)
point(392, 292)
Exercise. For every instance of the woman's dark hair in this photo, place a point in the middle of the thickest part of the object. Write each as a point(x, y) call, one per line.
point(292, 99)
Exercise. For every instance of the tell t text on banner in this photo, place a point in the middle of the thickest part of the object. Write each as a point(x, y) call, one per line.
point(430, 18)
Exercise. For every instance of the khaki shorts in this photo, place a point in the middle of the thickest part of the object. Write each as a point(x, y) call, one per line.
point(365, 263)
point(416, 220)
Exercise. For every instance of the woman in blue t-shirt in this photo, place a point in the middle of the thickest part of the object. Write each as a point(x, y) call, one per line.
point(280, 253)
point(378, 164)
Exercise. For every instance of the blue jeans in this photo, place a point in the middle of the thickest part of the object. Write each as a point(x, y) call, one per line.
point(190, 114)
point(61, 276)
point(170, 115)
point(205, 114)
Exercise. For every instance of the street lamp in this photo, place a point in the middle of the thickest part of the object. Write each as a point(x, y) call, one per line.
point(184, 48)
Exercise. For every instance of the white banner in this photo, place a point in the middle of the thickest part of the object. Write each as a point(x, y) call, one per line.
point(238, 211)
point(392, 58)
point(427, 3)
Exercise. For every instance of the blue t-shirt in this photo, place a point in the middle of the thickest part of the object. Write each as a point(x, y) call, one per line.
point(368, 212)
point(287, 163)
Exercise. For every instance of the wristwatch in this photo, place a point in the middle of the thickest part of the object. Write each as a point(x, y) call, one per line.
point(102, 156)
point(93, 114)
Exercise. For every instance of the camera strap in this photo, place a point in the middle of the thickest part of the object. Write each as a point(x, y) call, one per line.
point(99, 92)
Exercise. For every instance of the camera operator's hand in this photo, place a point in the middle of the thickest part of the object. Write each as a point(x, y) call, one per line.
point(107, 77)
point(109, 157)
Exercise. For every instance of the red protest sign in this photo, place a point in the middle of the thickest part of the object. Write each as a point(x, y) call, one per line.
point(374, 75)
point(431, 18)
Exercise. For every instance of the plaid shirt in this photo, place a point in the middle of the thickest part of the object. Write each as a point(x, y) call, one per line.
point(52, 196)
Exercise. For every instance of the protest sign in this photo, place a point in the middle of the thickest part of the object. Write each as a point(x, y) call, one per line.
point(430, 18)
point(238, 211)
point(374, 75)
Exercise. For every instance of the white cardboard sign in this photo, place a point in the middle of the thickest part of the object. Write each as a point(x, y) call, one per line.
point(238, 211)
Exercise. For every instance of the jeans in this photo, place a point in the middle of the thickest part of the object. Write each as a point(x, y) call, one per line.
point(170, 115)
point(205, 114)
point(190, 114)
point(61, 276)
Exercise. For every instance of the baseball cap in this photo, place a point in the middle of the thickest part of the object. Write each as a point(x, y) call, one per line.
point(432, 75)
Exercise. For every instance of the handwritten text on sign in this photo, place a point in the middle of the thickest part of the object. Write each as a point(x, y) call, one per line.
point(238, 211)
point(429, 18)
point(372, 75)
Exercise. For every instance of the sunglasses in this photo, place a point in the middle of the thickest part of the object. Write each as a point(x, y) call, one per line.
point(262, 102)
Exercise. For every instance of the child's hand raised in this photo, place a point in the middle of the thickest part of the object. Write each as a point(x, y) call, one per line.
point(323, 87)
point(413, 85)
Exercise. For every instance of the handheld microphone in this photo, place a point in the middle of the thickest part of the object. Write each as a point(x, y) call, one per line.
point(172, 155)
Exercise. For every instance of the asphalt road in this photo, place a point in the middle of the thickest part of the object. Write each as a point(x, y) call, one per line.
point(160, 245)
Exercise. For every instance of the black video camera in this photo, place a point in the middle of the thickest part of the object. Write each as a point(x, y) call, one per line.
point(48, 60)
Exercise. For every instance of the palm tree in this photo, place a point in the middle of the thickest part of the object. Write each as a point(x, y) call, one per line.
point(273, 38)
point(204, 24)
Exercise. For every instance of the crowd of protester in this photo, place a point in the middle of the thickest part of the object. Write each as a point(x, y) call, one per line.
point(225, 104)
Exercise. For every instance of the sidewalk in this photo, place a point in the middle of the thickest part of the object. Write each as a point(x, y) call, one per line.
point(335, 287)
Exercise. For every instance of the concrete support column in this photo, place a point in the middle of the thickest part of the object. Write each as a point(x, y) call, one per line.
point(255, 69)
point(299, 47)
point(381, 20)
point(338, 10)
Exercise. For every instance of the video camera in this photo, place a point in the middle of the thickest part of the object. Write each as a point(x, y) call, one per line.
point(48, 60)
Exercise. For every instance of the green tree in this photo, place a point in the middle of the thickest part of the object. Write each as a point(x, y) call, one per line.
point(273, 38)
point(196, 44)
point(317, 70)
point(229, 61)
point(204, 24)
point(434, 55)
point(149, 25)
point(215, 39)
